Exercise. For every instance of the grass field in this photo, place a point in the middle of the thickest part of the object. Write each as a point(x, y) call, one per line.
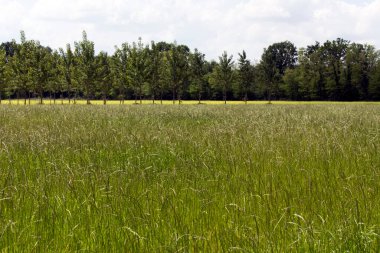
point(235, 178)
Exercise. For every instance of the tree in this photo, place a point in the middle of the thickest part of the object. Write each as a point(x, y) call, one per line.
point(224, 73)
point(104, 78)
point(246, 75)
point(374, 85)
point(292, 83)
point(85, 66)
point(21, 64)
point(40, 68)
point(138, 68)
point(178, 66)
point(360, 62)
point(119, 68)
point(334, 53)
point(197, 68)
point(67, 66)
point(165, 81)
point(56, 76)
point(313, 71)
point(155, 69)
point(4, 73)
point(275, 60)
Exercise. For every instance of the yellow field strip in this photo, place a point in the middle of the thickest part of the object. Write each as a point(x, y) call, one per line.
point(170, 102)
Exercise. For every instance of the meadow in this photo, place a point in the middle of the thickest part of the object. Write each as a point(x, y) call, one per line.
point(192, 178)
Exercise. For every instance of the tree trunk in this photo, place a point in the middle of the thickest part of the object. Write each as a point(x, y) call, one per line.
point(225, 94)
point(69, 92)
point(87, 95)
point(245, 98)
point(199, 93)
point(173, 95)
point(270, 96)
point(54, 97)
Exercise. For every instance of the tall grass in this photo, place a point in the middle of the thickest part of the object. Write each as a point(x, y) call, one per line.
point(190, 178)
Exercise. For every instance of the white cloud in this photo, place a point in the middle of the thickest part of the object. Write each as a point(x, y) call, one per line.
point(210, 25)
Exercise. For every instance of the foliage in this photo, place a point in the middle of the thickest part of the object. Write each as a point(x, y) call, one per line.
point(334, 70)
point(85, 71)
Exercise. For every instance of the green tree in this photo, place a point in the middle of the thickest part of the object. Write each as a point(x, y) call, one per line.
point(246, 75)
point(292, 83)
point(164, 83)
point(268, 75)
point(104, 75)
point(155, 65)
point(198, 71)
point(138, 68)
point(21, 64)
point(7, 50)
point(85, 66)
point(56, 76)
point(313, 72)
point(224, 73)
point(68, 69)
point(360, 62)
point(275, 60)
point(178, 66)
point(334, 53)
point(40, 68)
point(119, 68)
point(4, 73)
point(374, 85)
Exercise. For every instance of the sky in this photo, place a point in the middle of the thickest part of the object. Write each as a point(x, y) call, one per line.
point(212, 26)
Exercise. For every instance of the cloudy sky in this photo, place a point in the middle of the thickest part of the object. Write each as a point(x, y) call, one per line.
point(212, 26)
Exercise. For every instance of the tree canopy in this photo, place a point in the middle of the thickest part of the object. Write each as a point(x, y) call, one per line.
point(333, 70)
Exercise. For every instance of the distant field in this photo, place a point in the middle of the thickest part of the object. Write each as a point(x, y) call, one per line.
point(235, 178)
point(170, 102)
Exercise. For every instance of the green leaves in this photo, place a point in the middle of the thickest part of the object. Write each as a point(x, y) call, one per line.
point(333, 70)
point(85, 65)
point(246, 75)
point(138, 68)
point(224, 73)
point(178, 57)
point(4, 73)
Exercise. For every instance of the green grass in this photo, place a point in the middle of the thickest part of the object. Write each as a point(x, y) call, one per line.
point(256, 178)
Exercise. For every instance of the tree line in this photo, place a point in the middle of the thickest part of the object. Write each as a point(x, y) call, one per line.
point(334, 70)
